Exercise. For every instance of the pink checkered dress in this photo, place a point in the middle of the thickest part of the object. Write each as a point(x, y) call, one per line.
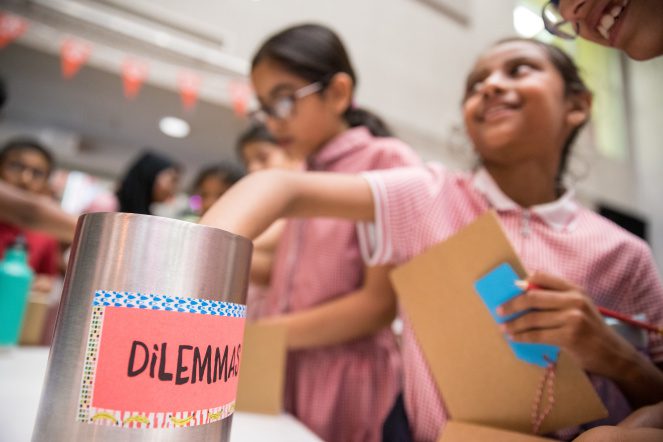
point(342, 392)
point(419, 207)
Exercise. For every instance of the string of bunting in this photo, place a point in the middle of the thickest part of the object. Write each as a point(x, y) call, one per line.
point(75, 53)
point(11, 27)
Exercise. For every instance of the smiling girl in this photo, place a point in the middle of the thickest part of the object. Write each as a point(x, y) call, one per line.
point(632, 26)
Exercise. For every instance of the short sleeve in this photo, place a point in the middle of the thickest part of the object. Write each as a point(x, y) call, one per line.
point(403, 198)
point(391, 153)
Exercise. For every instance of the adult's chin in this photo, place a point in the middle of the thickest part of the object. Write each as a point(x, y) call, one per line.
point(644, 51)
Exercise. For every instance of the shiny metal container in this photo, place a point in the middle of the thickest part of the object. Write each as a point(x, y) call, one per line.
point(135, 253)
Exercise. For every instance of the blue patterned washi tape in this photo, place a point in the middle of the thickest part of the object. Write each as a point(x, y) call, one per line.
point(103, 298)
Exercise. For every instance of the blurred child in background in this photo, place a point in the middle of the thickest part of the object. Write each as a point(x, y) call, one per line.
point(258, 150)
point(152, 178)
point(213, 181)
point(25, 164)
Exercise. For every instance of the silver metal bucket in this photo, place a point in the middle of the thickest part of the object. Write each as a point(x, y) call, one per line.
point(136, 254)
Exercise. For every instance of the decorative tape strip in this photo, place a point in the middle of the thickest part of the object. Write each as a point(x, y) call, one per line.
point(103, 298)
point(90, 364)
point(132, 419)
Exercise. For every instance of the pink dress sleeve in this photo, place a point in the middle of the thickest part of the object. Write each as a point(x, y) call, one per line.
point(403, 200)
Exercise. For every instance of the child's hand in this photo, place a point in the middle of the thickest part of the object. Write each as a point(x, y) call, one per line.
point(644, 424)
point(645, 417)
point(564, 316)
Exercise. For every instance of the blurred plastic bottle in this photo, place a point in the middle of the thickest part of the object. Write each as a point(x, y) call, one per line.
point(15, 281)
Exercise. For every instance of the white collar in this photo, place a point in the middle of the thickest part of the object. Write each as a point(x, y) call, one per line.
point(558, 214)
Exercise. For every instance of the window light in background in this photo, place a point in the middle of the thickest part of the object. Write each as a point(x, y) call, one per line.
point(526, 22)
point(82, 192)
point(174, 127)
point(603, 70)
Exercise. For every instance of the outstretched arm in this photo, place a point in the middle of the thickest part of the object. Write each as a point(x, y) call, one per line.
point(35, 212)
point(256, 201)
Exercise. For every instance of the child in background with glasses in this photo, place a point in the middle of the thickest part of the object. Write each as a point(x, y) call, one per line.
point(342, 374)
point(21, 209)
point(25, 164)
point(632, 26)
point(524, 105)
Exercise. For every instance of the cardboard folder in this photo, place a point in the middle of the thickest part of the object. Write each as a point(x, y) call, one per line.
point(36, 313)
point(480, 379)
point(262, 369)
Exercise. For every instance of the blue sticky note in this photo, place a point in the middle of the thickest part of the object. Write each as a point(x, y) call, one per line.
point(499, 286)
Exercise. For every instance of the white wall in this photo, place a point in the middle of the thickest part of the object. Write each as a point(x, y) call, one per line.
point(635, 183)
point(647, 120)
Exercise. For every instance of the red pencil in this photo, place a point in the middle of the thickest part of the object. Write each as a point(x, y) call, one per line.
point(525, 285)
point(622, 317)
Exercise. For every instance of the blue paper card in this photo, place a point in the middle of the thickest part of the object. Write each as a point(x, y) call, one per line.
point(499, 286)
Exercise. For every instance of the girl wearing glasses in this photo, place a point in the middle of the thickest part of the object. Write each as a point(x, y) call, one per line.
point(524, 105)
point(343, 371)
point(633, 26)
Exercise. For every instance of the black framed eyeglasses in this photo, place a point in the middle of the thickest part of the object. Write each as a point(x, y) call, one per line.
point(556, 24)
point(15, 167)
point(283, 107)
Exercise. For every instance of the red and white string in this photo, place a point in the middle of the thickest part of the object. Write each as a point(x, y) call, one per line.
point(547, 384)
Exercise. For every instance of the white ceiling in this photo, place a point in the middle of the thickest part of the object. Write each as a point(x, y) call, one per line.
point(97, 129)
point(93, 106)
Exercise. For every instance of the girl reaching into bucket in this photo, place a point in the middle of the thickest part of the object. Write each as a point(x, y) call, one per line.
point(342, 374)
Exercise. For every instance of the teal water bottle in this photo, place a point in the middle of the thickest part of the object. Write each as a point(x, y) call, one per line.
point(15, 280)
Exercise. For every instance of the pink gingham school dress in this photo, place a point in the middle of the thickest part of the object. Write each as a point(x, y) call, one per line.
point(416, 208)
point(341, 392)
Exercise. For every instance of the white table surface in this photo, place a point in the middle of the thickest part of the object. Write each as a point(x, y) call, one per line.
point(22, 372)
